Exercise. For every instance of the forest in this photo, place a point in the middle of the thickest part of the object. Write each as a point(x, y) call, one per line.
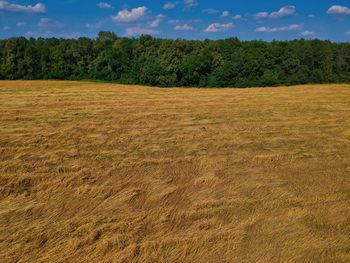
point(165, 62)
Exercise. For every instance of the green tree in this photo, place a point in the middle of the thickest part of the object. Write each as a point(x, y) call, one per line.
point(269, 78)
point(166, 62)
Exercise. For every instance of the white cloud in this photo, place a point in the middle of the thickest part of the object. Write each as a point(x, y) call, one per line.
point(19, 24)
point(307, 33)
point(96, 25)
point(210, 11)
point(348, 32)
point(311, 16)
point(156, 22)
point(37, 8)
point(126, 16)
point(174, 21)
point(217, 27)
point(169, 5)
point(186, 3)
point(190, 3)
point(30, 34)
point(237, 17)
point(261, 15)
point(6, 28)
point(339, 10)
point(279, 29)
point(184, 27)
point(225, 14)
point(284, 11)
point(47, 22)
point(179, 21)
point(136, 31)
point(104, 5)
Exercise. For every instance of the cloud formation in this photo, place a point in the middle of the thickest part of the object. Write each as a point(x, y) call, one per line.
point(126, 16)
point(225, 14)
point(19, 24)
point(283, 12)
point(338, 10)
point(261, 15)
point(279, 29)
point(47, 22)
point(169, 17)
point(96, 25)
point(104, 5)
point(210, 11)
point(37, 8)
point(190, 3)
point(307, 33)
point(156, 22)
point(169, 5)
point(184, 27)
point(217, 27)
point(136, 31)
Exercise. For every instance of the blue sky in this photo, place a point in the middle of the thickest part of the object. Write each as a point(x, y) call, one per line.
point(190, 19)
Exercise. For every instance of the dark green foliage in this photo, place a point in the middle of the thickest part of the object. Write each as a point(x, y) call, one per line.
point(166, 62)
point(150, 72)
point(269, 78)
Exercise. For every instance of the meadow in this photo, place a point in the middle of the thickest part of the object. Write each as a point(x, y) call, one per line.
point(93, 172)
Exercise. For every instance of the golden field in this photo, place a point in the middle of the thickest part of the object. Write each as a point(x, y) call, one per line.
point(110, 173)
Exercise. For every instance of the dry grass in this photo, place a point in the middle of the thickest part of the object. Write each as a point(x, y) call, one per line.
point(107, 173)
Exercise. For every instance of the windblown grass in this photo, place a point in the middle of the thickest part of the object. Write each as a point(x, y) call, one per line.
point(108, 173)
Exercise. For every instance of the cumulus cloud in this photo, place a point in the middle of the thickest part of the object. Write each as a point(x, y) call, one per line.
point(182, 21)
point(96, 25)
point(237, 17)
point(156, 22)
point(210, 11)
point(47, 22)
point(279, 29)
point(338, 10)
point(186, 3)
point(126, 16)
point(37, 8)
point(184, 27)
point(225, 14)
point(307, 33)
point(261, 15)
point(104, 5)
point(284, 11)
point(136, 31)
point(190, 3)
point(174, 21)
point(169, 5)
point(217, 27)
point(19, 24)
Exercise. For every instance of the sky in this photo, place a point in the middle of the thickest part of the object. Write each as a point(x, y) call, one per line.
point(189, 19)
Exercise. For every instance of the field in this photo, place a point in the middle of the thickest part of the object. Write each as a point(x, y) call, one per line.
point(109, 173)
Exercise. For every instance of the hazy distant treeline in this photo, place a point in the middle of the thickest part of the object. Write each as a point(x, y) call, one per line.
point(166, 62)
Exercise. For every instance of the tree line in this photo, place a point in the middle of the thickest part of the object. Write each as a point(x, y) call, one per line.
point(166, 62)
